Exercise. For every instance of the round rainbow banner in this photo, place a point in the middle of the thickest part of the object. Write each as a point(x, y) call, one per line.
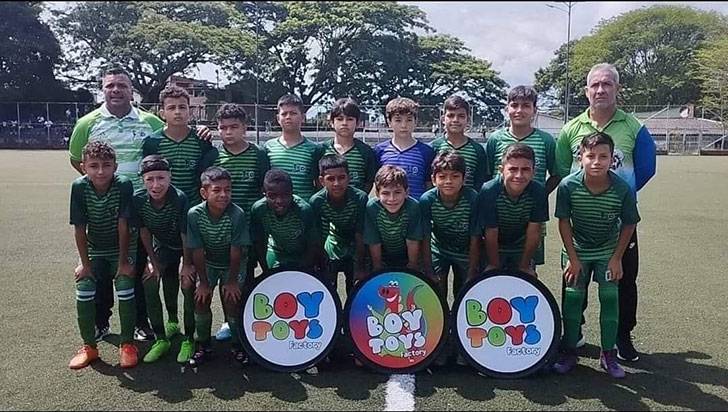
point(397, 321)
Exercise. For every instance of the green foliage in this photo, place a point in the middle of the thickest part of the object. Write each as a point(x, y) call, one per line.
point(29, 53)
point(151, 40)
point(653, 49)
point(369, 50)
point(711, 69)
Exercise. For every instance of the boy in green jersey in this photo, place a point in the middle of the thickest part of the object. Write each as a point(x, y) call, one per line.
point(247, 164)
point(339, 208)
point(292, 152)
point(188, 155)
point(160, 211)
point(284, 225)
point(393, 224)
point(449, 219)
point(597, 214)
point(100, 203)
point(512, 208)
point(361, 159)
point(455, 118)
point(219, 239)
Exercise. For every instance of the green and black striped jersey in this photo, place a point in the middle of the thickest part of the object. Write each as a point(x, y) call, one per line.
point(187, 159)
point(288, 235)
point(362, 162)
point(542, 143)
point(217, 236)
point(476, 167)
point(511, 216)
point(100, 213)
point(165, 223)
point(247, 169)
point(338, 226)
point(299, 161)
point(596, 219)
point(392, 230)
point(450, 228)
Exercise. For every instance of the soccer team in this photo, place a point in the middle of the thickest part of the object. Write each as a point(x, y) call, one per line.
point(157, 202)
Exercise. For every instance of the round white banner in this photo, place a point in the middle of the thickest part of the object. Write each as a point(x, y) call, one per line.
point(507, 324)
point(290, 320)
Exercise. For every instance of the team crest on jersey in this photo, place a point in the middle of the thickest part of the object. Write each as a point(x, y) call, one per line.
point(353, 175)
point(192, 163)
point(301, 168)
point(610, 215)
point(617, 159)
point(247, 176)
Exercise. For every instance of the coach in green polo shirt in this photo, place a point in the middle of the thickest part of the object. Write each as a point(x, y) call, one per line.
point(634, 160)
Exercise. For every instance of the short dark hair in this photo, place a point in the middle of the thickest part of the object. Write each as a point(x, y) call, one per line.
point(523, 93)
point(519, 151)
point(115, 70)
point(232, 111)
point(99, 149)
point(595, 139)
point(456, 102)
point(153, 163)
point(171, 92)
point(389, 175)
point(332, 161)
point(290, 100)
point(448, 160)
point(214, 174)
point(345, 106)
point(277, 177)
point(401, 105)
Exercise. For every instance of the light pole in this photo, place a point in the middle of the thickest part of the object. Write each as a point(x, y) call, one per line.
point(569, 5)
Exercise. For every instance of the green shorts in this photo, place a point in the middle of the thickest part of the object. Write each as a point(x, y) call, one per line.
point(215, 276)
point(595, 270)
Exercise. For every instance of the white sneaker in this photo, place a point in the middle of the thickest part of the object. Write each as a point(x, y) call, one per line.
point(581, 342)
point(224, 333)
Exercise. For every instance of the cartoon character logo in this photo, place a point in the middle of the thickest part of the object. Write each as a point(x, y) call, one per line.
point(617, 159)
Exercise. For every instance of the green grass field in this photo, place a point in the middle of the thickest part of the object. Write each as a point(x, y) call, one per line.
point(682, 316)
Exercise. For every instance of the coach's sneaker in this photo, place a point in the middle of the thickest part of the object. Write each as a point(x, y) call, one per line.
point(84, 357)
point(224, 333)
point(202, 354)
point(128, 355)
point(626, 350)
point(158, 349)
point(185, 351)
point(171, 329)
point(566, 362)
point(608, 361)
point(101, 333)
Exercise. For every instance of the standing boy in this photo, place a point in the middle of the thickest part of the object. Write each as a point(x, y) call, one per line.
point(247, 164)
point(218, 237)
point(292, 152)
point(512, 207)
point(284, 226)
point(456, 113)
point(340, 209)
point(160, 210)
point(597, 214)
point(449, 220)
point(360, 157)
point(393, 223)
point(403, 150)
point(100, 203)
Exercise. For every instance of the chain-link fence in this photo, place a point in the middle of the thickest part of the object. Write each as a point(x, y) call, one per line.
point(676, 129)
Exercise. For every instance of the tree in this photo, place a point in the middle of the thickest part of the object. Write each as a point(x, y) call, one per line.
point(711, 68)
point(28, 54)
point(369, 50)
point(653, 49)
point(151, 41)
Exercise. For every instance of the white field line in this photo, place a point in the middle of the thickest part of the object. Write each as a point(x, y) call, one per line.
point(400, 393)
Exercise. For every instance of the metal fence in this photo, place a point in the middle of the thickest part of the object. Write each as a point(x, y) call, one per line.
point(676, 129)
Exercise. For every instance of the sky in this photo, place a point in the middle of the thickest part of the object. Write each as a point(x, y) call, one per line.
point(518, 38)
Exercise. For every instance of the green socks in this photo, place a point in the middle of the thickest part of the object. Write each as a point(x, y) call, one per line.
point(203, 324)
point(154, 307)
point(608, 314)
point(86, 309)
point(188, 304)
point(573, 300)
point(127, 306)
